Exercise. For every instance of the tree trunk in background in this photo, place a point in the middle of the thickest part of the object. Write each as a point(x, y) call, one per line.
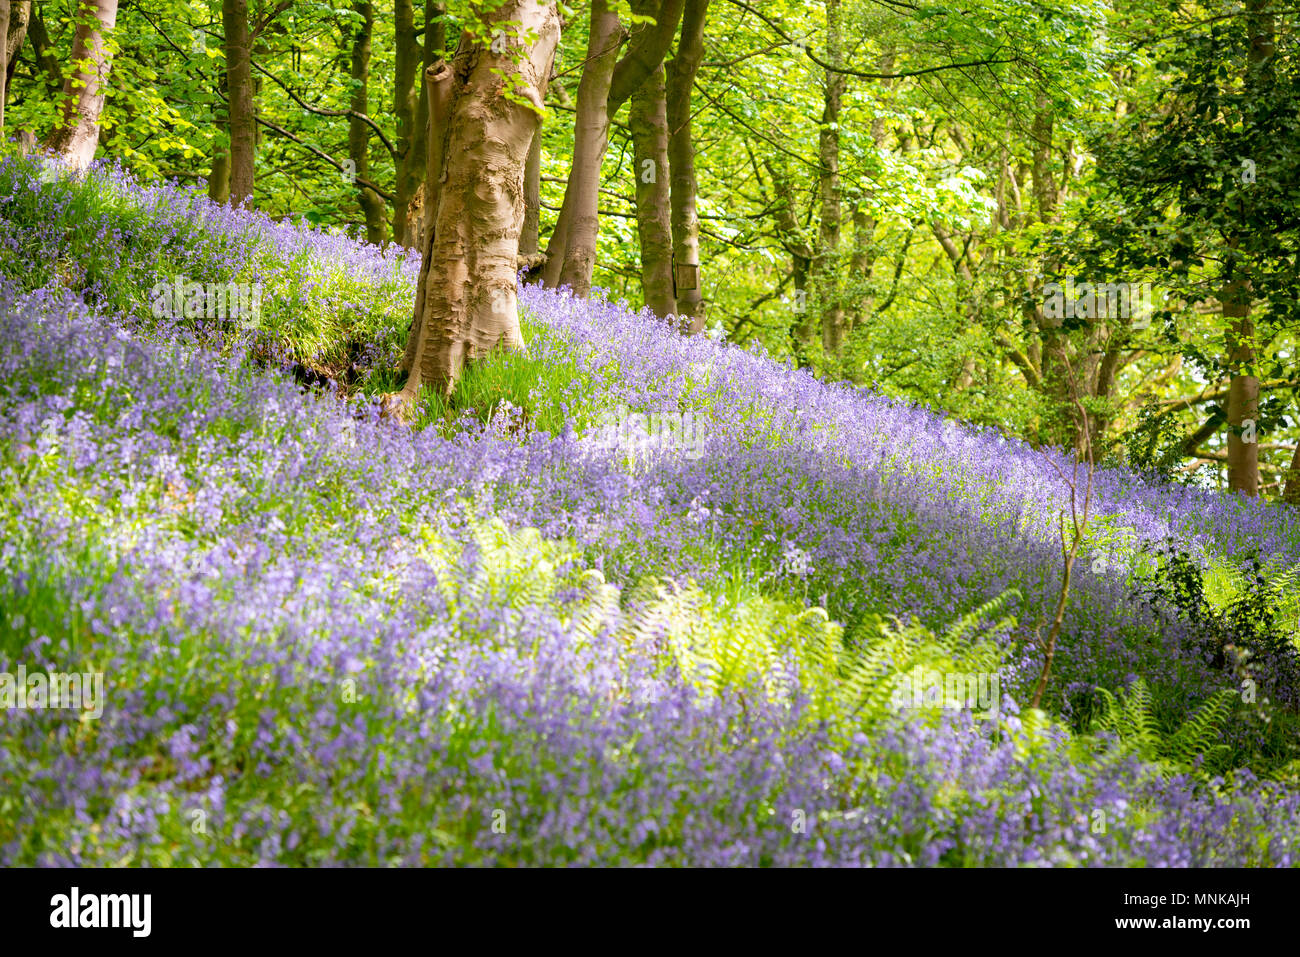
point(681, 163)
point(469, 305)
point(1243, 386)
point(828, 148)
point(239, 87)
point(411, 107)
point(530, 236)
point(648, 120)
point(591, 137)
point(559, 239)
point(1057, 382)
point(43, 50)
point(646, 50)
point(372, 204)
point(645, 54)
point(642, 72)
point(864, 226)
point(408, 172)
point(219, 178)
point(1291, 495)
point(801, 257)
point(864, 264)
point(20, 16)
point(77, 134)
point(437, 95)
point(5, 13)
point(435, 46)
point(1243, 391)
point(531, 259)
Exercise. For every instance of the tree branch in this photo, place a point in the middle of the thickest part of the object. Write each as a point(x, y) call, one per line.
point(323, 112)
point(846, 71)
point(368, 184)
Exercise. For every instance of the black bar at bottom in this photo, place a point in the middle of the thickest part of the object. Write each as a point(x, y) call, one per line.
point(336, 908)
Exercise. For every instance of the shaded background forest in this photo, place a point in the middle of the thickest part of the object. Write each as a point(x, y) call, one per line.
point(883, 189)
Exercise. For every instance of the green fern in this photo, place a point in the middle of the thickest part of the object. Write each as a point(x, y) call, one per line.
point(598, 605)
point(744, 643)
point(1193, 747)
point(775, 648)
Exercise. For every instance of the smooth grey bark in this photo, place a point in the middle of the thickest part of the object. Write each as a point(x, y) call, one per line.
point(437, 93)
point(372, 204)
point(591, 138)
point(44, 52)
point(681, 162)
point(530, 237)
point(77, 134)
point(239, 92)
point(5, 14)
point(648, 120)
point(406, 96)
point(828, 148)
point(1243, 386)
point(645, 53)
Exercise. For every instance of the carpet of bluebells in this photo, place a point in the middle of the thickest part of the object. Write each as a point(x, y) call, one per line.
point(330, 638)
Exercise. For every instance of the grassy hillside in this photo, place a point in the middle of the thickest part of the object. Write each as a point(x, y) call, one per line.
point(500, 637)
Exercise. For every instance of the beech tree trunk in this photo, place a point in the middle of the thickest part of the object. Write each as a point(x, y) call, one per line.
point(1291, 495)
point(646, 51)
point(468, 291)
point(555, 246)
point(411, 108)
point(43, 50)
point(437, 92)
point(681, 163)
point(77, 134)
point(644, 56)
point(1243, 386)
point(648, 119)
point(801, 258)
point(530, 235)
point(5, 12)
point(372, 204)
point(828, 286)
point(1243, 392)
point(864, 227)
point(406, 96)
point(591, 137)
point(435, 46)
point(1059, 382)
point(239, 90)
point(20, 15)
point(219, 178)
point(14, 15)
point(863, 265)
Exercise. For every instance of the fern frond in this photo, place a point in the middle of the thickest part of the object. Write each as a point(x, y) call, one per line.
point(1131, 718)
point(1199, 735)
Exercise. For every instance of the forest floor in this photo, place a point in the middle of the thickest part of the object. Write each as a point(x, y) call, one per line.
point(629, 597)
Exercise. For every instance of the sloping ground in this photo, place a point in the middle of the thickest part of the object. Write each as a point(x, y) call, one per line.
point(326, 638)
point(901, 511)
